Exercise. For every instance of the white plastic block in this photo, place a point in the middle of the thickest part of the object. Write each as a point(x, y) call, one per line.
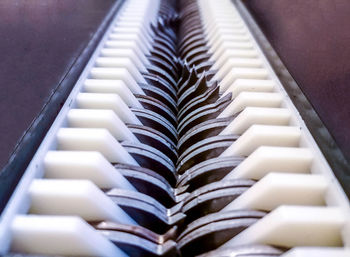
point(242, 73)
point(263, 135)
point(232, 38)
point(277, 189)
point(84, 165)
point(232, 45)
point(225, 24)
point(123, 37)
point(231, 63)
point(252, 99)
point(114, 87)
point(74, 197)
point(107, 101)
point(113, 62)
point(117, 74)
point(140, 37)
point(257, 115)
point(134, 24)
point(128, 45)
point(250, 85)
point(128, 53)
point(317, 252)
point(90, 118)
point(266, 159)
point(59, 235)
point(225, 31)
point(88, 139)
point(290, 226)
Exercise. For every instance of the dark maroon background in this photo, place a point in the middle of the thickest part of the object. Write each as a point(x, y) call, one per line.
point(313, 40)
point(39, 42)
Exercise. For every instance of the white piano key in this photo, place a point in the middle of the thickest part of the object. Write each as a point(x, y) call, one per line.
point(317, 252)
point(128, 53)
point(242, 73)
point(89, 139)
point(112, 86)
point(121, 62)
point(263, 135)
point(276, 189)
point(266, 159)
point(74, 197)
point(117, 74)
point(90, 118)
point(84, 165)
point(59, 235)
point(231, 63)
point(252, 99)
point(257, 115)
point(107, 101)
point(290, 226)
point(250, 85)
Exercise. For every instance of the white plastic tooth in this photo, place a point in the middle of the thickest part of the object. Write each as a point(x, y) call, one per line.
point(252, 99)
point(220, 49)
point(127, 45)
point(127, 30)
point(278, 159)
point(138, 37)
point(84, 165)
point(263, 135)
point(225, 44)
point(145, 28)
point(257, 115)
point(242, 73)
point(88, 139)
point(218, 34)
point(236, 63)
point(128, 53)
point(223, 24)
point(225, 28)
point(250, 73)
point(117, 74)
point(59, 235)
point(317, 252)
point(232, 38)
point(107, 101)
point(113, 62)
point(276, 189)
point(211, 27)
point(136, 26)
point(290, 226)
point(250, 85)
point(74, 197)
point(90, 118)
point(112, 87)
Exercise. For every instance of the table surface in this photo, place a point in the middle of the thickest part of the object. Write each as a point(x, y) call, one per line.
point(312, 39)
point(40, 41)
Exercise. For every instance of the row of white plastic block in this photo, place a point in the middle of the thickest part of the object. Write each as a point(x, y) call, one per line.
point(309, 212)
point(74, 160)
